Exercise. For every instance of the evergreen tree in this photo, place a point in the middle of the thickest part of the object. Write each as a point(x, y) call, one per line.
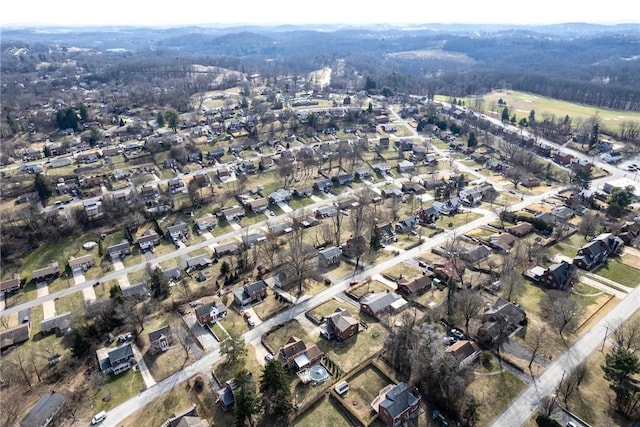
point(473, 141)
point(505, 114)
point(276, 394)
point(172, 118)
point(621, 365)
point(246, 404)
point(43, 187)
point(158, 284)
point(160, 120)
point(115, 293)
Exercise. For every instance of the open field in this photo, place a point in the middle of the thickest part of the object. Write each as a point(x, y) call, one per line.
point(495, 392)
point(325, 413)
point(521, 103)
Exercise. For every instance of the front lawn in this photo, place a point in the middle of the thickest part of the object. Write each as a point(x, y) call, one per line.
point(270, 306)
point(278, 337)
point(496, 392)
point(117, 389)
point(618, 272)
point(354, 350)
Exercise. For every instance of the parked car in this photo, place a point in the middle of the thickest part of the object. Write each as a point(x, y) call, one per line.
point(251, 322)
point(457, 333)
point(268, 357)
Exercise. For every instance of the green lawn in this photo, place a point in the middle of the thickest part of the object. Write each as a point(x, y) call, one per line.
point(457, 220)
point(279, 337)
point(618, 272)
point(354, 350)
point(117, 389)
point(269, 306)
point(325, 413)
point(327, 308)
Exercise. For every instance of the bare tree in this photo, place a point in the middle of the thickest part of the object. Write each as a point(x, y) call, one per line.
point(298, 260)
point(589, 225)
point(183, 337)
point(537, 338)
point(469, 304)
point(563, 312)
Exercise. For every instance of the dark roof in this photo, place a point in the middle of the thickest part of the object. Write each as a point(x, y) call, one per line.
point(119, 353)
point(158, 333)
point(399, 399)
point(137, 290)
point(45, 409)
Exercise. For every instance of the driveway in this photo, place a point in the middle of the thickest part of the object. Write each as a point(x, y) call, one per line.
point(202, 334)
point(142, 367)
point(48, 307)
point(89, 294)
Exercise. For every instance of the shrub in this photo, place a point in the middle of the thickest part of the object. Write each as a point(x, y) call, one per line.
point(544, 421)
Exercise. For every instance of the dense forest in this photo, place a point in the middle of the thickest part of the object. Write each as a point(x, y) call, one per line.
point(590, 64)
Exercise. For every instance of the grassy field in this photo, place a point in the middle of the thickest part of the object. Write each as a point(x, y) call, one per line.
point(363, 388)
point(269, 306)
point(353, 351)
point(496, 392)
point(619, 272)
point(279, 337)
point(521, 103)
point(325, 413)
point(117, 389)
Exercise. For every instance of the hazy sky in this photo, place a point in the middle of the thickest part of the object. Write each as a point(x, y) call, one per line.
point(181, 12)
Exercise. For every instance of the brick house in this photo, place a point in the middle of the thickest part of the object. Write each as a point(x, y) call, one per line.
point(295, 354)
point(397, 404)
point(249, 294)
point(340, 325)
point(160, 339)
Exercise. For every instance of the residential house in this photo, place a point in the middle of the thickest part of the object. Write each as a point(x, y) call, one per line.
point(413, 286)
point(329, 257)
point(411, 187)
point(258, 205)
point(295, 354)
point(226, 396)
point(247, 166)
point(362, 173)
point(612, 157)
point(115, 360)
point(465, 352)
point(11, 285)
point(45, 410)
point(266, 162)
point(427, 215)
point(449, 207)
point(407, 225)
point(383, 142)
point(92, 208)
point(556, 276)
point(136, 291)
point(59, 162)
point(16, 335)
point(118, 251)
point(280, 196)
point(382, 168)
point(280, 229)
point(503, 242)
point(233, 213)
point(252, 239)
point(206, 223)
point(223, 249)
point(215, 153)
point(198, 262)
point(381, 303)
point(170, 163)
point(178, 232)
point(323, 185)
point(342, 179)
point(355, 246)
point(250, 294)
point(445, 269)
point(562, 214)
point(172, 274)
point(597, 251)
point(520, 229)
point(60, 324)
point(82, 263)
point(628, 234)
point(50, 272)
point(160, 339)
point(500, 320)
point(406, 166)
point(148, 240)
point(475, 253)
point(303, 192)
point(187, 418)
point(470, 196)
point(385, 233)
point(176, 185)
point(202, 179)
point(397, 404)
point(224, 171)
point(211, 312)
point(326, 211)
point(339, 325)
point(149, 192)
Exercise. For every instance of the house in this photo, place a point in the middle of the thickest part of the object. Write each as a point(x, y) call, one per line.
point(377, 305)
point(407, 225)
point(226, 396)
point(136, 291)
point(427, 215)
point(211, 312)
point(247, 166)
point(562, 214)
point(92, 208)
point(295, 354)
point(445, 269)
point(60, 324)
point(326, 211)
point(50, 272)
point(202, 179)
point(170, 163)
point(470, 196)
point(406, 166)
point(465, 352)
point(176, 185)
point(148, 240)
point(385, 233)
point(628, 233)
point(250, 294)
point(233, 213)
point(303, 192)
point(45, 410)
point(223, 249)
point(475, 253)
point(172, 274)
point(413, 286)
point(215, 153)
point(362, 173)
point(397, 404)
point(382, 168)
point(82, 263)
point(206, 223)
point(329, 257)
point(597, 251)
point(149, 192)
point(252, 239)
point(355, 247)
point(119, 251)
point(16, 335)
point(280, 196)
point(449, 207)
point(342, 179)
point(411, 187)
point(160, 339)
point(280, 229)
point(198, 262)
point(178, 232)
point(612, 157)
point(323, 185)
point(11, 285)
point(115, 360)
point(503, 242)
point(258, 205)
point(187, 418)
point(520, 229)
point(500, 320)
point(339, 325)
point(557, 276)
point(224, 172)
point(266, 162)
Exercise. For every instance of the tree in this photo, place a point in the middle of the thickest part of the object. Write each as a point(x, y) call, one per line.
point(468, 303)
point(276, 394)
point(298, 260)
point(589, 225)
point(246, 404)
point(619, 199)
point(563, 312)
point(621, 365)
point(581, 177)
point(225, 268)
point(115, 293)
point(234, 348)
point(536, 338)
point(160, 119)
point(472, 141)
point(505, 114)
point(172, 118)
point(43, 187)
point(471, 413)
point(158, 284)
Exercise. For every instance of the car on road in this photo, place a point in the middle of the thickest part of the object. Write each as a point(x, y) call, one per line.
point(422, 264)
point(457, 333)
